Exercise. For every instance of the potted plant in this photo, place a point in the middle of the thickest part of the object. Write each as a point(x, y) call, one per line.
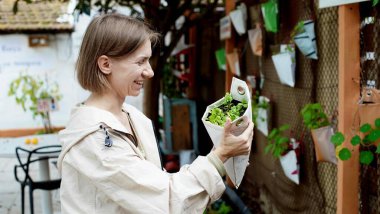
point(230, 108)
point(284, 148)
point(260, 109)
point(31, 93)
point(316, 120)
point(285, 64)
point(369, 136)
point(303, 36)
point(233, 105)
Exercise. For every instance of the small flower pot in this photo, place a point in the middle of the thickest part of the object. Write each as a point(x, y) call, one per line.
point(236, 166)
point(285, 64)
point(255, 37)
point(290, 164)
point(262, 117)
point(306, 41)
point(325, 151)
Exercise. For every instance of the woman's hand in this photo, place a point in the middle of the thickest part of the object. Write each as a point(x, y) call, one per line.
point(233, 143)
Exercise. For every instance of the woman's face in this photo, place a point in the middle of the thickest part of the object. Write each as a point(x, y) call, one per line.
point(128, 73)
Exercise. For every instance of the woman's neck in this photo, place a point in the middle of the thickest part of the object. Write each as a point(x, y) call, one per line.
point(106, 101)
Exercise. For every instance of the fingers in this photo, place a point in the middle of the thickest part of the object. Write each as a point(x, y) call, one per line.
point(227, 125)
point(249, 130)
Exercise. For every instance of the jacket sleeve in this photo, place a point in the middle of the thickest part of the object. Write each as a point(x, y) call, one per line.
point(138, 185)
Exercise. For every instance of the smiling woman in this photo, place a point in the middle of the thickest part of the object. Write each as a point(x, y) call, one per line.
point(110, 161)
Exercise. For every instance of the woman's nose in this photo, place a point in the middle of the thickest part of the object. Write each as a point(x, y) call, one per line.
point(148, 71)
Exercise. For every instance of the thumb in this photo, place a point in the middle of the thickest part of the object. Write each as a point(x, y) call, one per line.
point(227, 125)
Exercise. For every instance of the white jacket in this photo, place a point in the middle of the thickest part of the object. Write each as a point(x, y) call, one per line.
point(122, 178)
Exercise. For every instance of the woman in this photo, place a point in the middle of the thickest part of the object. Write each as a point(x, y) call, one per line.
point(110, 161)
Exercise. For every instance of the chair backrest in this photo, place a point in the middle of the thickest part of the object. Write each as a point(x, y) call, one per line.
point(32, 156)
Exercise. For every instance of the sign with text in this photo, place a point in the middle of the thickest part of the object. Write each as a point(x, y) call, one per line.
point(332, 3)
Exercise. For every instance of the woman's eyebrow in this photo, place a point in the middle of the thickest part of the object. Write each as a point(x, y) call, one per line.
point(143, 57)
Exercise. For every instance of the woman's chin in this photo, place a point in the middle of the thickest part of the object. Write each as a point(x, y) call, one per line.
point(134, 93)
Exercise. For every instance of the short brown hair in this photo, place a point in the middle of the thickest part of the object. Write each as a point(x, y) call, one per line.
point(113, 35)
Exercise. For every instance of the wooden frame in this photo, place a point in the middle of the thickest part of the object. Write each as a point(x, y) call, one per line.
point(349, 92)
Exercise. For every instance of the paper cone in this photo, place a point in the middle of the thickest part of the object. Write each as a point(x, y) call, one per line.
point(285, 65)
point(255, 40)
point(290, 166)
point(325, 151)
point(306, 41)
point(233, 62)
point(236, 166)
point(239, 20)
point(262, 117)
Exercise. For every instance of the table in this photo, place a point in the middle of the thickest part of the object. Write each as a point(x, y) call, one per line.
point(8, 150)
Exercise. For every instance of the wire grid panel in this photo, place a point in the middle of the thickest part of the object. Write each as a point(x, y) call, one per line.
point(316, 81)
point(369, 53)
point(327, 92)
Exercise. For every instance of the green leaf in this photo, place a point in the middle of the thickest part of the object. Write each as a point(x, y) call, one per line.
point(365, 128)
point(337, 139)
point(366, 140)
point(377, 123)
point(344, 154)
point(374, 135)
point(283, 140)
point(374, 2)
point(268, 148)
point(273, 133)
point(284, 127)
point(355, 140)
point(307, 117)
point(366, 157)
point(378, 149)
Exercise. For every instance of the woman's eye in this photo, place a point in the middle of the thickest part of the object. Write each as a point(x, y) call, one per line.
point(141, 62)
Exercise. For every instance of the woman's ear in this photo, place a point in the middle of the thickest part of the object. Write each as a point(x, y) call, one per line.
point(104, 64)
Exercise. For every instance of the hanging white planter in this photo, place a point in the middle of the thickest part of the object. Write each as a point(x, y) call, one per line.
point(285, 64)
point(290, 165)
point(306, 40)
point(239, 19)
point(262, 117)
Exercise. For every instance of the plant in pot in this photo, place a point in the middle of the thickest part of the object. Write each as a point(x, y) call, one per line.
point(260, 112)
point(230, 108)
point(236, 106)
point(316, 120)
point(368, 137)
point(284, 62)
point(284, 148)
point(303, 35)
point(31, 92)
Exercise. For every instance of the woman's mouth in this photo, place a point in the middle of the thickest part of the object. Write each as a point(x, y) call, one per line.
point(139, 82)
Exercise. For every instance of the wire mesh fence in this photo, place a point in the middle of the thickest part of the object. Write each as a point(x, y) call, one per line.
point(316, 81)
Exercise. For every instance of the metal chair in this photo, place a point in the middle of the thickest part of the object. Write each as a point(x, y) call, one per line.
point(34, 156)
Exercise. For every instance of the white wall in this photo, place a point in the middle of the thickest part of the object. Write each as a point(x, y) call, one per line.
point(54, 63)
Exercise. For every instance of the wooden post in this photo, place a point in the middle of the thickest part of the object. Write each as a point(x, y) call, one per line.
point(349, 69)
point(230, 44)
